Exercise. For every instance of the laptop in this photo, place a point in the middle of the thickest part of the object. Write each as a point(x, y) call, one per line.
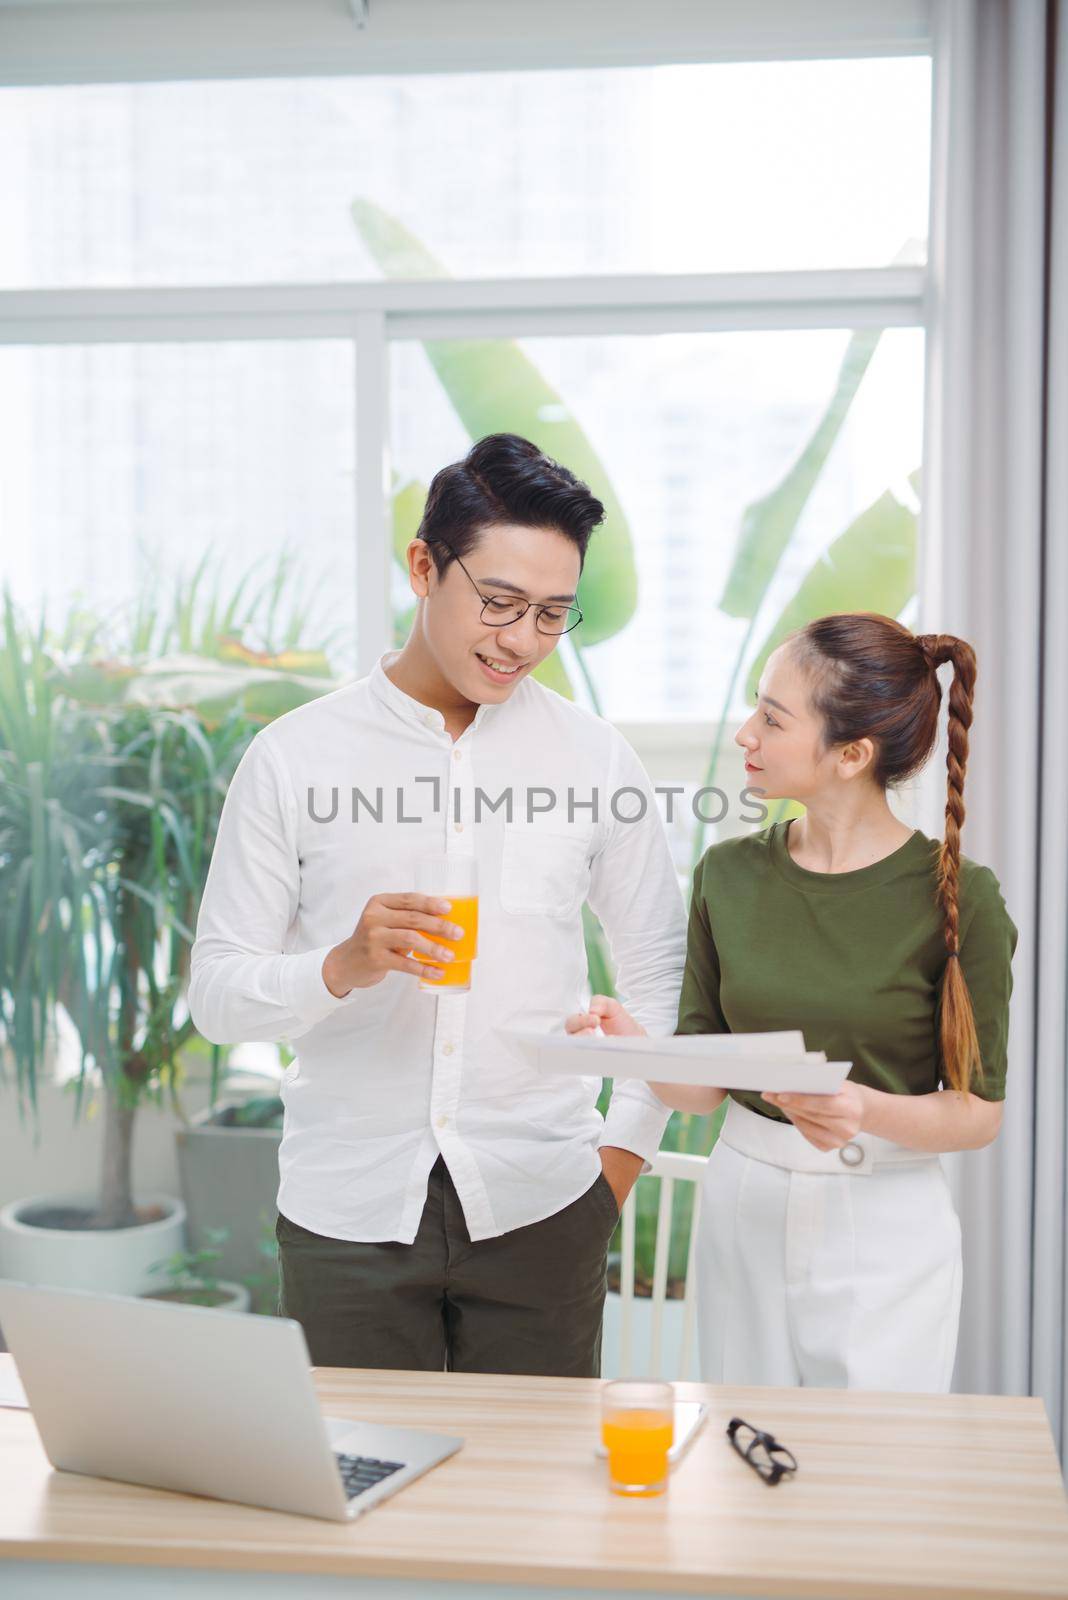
point(205, 1402)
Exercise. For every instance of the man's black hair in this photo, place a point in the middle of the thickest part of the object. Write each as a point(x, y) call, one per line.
point(504, 478)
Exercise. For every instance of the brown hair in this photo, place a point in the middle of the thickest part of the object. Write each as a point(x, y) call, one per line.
point(872, 679)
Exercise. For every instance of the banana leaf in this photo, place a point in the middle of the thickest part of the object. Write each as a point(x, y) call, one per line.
point(495, 388)
point(408, 503)
point(598, 959)
point(553, 674)
point(869, 567)
point(768, 524)
point(402, 626)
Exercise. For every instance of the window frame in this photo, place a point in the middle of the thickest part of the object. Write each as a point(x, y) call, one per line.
point(96, 41)
point(373, 315)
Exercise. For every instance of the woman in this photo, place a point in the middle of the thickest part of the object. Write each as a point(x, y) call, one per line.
point(828, 1247)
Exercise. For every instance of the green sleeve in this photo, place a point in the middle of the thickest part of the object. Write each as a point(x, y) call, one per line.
point(988, 940)
point(699, 1007)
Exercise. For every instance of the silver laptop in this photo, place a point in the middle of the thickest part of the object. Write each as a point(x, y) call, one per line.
point(206, 1402)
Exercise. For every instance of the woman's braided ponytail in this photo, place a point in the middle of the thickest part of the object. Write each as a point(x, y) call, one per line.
point(960, 1045)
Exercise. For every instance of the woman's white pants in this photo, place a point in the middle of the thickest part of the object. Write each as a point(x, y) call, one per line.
point(837, 1269)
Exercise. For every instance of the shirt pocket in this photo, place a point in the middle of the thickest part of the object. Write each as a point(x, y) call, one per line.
point(545, 869)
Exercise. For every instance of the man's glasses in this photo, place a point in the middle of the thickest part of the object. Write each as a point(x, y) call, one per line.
point(499, 610)
point(763, 1451)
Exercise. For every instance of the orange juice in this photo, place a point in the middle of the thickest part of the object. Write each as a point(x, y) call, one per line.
point(637, 1442)
point(456, 974)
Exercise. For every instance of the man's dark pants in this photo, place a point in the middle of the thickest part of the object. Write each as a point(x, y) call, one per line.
point(528, 1301)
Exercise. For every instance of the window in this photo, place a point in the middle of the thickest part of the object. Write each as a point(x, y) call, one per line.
point(709, 168)
point(740, 410)
point(124, 467)
point(227, 303)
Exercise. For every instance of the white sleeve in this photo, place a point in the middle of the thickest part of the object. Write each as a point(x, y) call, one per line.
point(634, 891)
point(242, 985)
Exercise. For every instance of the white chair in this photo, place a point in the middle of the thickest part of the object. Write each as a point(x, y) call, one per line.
point(671, 1168)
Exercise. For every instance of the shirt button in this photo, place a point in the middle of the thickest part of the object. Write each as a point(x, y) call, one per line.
point(457, 755)
point(446, 1049)
point(443, 1122)
point(458, 827)
point(851, 1154)
point(428, 718)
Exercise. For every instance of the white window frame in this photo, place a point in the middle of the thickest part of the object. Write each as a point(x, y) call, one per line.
point(79, 41)
point(106, 41)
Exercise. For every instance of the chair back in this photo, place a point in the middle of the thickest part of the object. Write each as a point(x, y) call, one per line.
point(672, 1168)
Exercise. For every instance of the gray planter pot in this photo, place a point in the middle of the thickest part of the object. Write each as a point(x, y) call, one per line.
point(229, 1179)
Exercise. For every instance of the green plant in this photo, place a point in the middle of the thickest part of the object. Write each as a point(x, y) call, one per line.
point(264, 1111)
point(191, 1275)
point(262, 1285)
point(869, 567)
point(693, 1135)
point(113, 769)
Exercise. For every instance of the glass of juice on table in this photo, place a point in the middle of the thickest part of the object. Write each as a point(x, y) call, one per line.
point(637, 1428)
point(453, 878)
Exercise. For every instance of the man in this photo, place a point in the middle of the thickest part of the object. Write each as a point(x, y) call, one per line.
point(441, 1203)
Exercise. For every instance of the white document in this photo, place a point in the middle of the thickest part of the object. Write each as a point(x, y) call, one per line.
point(777, 1062)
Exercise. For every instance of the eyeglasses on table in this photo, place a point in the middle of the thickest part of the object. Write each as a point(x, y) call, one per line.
point(761, 1450)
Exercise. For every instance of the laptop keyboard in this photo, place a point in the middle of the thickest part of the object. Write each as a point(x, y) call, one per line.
point(360, 1473)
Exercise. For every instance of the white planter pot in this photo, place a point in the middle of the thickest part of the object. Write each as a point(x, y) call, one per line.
point(108, 1260)
point(642, 1341)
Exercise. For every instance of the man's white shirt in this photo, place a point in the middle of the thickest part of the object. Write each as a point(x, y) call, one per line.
point(336, 802)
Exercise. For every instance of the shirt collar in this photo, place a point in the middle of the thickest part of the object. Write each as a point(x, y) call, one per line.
point(413, 711)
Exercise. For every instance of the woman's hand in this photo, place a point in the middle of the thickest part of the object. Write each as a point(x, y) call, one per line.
point(619, 1023)
point(827, 1120)
point(609, 1015)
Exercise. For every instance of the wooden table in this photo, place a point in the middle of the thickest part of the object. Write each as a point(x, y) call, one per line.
point(951, 1496)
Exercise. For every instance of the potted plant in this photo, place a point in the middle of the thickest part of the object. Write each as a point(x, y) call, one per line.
point(190, 1277)
point(262, 1282)
point(228, 1166)
point(113, 770)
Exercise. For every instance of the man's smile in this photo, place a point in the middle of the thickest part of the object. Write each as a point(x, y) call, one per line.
point(497, 667)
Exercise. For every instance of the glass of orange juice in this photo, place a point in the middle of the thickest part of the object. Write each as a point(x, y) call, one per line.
point(453, 878)
point(638, 1428)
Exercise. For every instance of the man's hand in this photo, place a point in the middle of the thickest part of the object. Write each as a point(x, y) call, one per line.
point(621, 1168)
point(389, 927)
point(827, 1120)
point(607, 1014)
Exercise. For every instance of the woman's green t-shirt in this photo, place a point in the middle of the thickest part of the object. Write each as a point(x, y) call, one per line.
point(853, 959)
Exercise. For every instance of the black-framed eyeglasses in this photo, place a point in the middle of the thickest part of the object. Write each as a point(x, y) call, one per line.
point(498, 610)
point(763, 1451)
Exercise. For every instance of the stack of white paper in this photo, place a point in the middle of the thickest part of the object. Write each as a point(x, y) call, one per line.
point(777, 1062)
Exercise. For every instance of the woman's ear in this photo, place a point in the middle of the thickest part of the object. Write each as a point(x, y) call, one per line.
point(855, 758)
